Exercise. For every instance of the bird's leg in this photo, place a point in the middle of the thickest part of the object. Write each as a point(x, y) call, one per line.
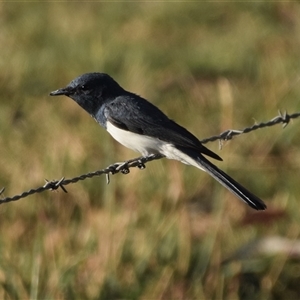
point(143, 159)
point(139, 162)
point(121, 167)
point(118, 167)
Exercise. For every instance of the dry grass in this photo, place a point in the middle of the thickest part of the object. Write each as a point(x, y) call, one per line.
point(161, 233)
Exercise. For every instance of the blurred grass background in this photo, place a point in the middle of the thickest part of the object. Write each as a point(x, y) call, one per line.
point(165, 232)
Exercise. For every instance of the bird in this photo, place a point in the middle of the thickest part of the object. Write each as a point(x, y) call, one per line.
point(139, 125)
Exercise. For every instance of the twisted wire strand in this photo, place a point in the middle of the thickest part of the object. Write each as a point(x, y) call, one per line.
point(112, 169)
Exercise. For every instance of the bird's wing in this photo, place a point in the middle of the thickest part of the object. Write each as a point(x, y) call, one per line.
point(137, 115)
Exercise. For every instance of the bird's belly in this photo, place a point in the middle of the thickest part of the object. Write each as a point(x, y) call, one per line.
point(141, 143)
point(147, 145)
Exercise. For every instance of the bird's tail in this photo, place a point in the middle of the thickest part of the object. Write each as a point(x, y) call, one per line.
point(231, 184)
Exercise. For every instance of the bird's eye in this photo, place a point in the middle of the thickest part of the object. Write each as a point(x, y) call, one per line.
point(82, 88)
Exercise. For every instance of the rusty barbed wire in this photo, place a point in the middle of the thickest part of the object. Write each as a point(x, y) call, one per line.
point(140, 162)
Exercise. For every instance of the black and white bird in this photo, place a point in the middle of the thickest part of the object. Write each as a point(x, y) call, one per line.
point(139, 125)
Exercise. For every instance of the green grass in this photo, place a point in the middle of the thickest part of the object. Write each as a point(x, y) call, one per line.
point(160, 233)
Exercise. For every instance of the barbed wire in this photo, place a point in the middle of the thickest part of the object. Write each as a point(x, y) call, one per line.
point(283, 118)
point(123, 167)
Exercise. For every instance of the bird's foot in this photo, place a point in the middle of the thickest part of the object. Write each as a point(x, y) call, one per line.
point(121, 167)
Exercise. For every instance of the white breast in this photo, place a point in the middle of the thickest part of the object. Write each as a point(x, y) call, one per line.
point(148, 145)
point(141, 143)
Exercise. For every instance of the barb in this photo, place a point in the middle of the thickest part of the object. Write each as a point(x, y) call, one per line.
point(140, 162)
point(283, 118)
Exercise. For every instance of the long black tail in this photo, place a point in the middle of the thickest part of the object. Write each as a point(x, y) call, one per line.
point(231, 184)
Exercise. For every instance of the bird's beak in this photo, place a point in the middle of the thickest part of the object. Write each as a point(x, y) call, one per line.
point(63, 91)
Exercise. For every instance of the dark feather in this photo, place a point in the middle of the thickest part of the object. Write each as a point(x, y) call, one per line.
point(128, 118)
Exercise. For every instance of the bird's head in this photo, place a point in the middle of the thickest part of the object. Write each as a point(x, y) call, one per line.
point(91, 90)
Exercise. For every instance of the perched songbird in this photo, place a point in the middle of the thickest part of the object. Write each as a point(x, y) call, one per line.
point(139, 125)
